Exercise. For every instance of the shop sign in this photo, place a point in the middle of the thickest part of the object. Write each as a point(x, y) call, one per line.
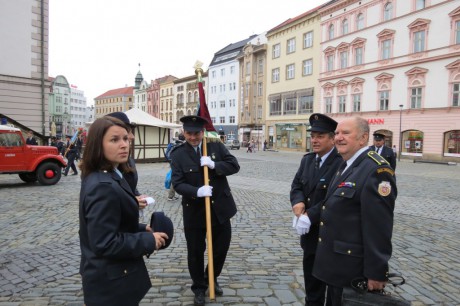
point(376, 121)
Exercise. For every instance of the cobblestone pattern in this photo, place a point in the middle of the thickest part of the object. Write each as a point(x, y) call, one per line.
point(39, 251)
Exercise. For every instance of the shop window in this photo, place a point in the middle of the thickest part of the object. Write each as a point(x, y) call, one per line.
point(289, 136)
point(412, 143)
point(452, 143)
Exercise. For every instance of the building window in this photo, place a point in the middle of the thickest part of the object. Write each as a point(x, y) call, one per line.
point(358, 56)
point(275, 75)
point(290, 72)
point(232, 119)
point(419, 4)
point(260, 89)
point(331, 31)
point(248, 68)
point(222, 72)
point(457, 32)
point(388, 11)
point(345, 27)
point(213, 74)
point(386, 49)
point(455, 94)
point(260, 66)
point(290, 45)
point(308, 40)
point(232, 69)
point(357, 102)
point(276, 50)
point(419, 41)
point(360, 22)
point(275, 106)
point(307, 67)
point(221, 119)
point(222, 103)
point(384, 99)
point(290, 105)
point(416, 97)
point(328, 103)
point(330, 62)
point(305, 104)
point(452, 143)
point(342, 103)
point(213, 119)
point(343, 59)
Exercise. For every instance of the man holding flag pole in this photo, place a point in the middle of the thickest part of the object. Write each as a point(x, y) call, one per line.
point(200, 167)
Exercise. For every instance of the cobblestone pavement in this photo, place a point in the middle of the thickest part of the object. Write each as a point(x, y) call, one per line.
point(39, 251)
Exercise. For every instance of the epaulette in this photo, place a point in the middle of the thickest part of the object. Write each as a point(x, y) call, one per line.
point(176, 146)
point(377, 158)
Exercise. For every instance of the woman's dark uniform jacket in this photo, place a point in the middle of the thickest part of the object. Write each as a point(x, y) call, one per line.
point(112, 242)
point(187, 177)
point(310, 187)
point(357, 223)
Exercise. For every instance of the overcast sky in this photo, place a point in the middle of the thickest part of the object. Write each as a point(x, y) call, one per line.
point(97, 45)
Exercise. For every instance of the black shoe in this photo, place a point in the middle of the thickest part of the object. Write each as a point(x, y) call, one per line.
point(218, 290)
point(199, 298)
point(65, 174)
point(75, 173)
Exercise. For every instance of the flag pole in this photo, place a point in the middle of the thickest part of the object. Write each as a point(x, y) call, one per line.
point(198, 72)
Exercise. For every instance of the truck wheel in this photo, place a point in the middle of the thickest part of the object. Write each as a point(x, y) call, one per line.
point(29, 177)
point(48, 173)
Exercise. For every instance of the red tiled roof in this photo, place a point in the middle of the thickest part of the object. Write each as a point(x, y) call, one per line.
point(117, 92)
point(291, 20)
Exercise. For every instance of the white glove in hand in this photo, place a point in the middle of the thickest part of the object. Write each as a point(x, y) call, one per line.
point(207, 161)
point(204, 191)
point(301, 224)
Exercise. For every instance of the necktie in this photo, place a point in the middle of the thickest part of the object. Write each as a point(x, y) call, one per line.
point(317, 162)
point(339, 173)
point(198, 152)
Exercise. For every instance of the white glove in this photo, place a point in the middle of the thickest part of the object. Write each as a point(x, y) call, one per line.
point(301, 224)
point(150, 200)
point(204, 191)
point(207, 161)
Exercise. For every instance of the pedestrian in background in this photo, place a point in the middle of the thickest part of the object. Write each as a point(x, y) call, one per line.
point(71, 155)
point(181, 139)
point(31, 139)
point(112, 241)
point(384, 151)
point(188, 179)
point(356, 223)
point(309, 187)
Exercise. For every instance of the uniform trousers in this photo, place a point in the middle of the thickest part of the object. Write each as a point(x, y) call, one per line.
point(315, 290)
point(196, 246)
point(70, 163)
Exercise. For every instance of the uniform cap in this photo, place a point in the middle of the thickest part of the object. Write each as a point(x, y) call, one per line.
point(123, 117)
point(193, 123)
point(159, 222)
point(378, 136)
point(322, 123)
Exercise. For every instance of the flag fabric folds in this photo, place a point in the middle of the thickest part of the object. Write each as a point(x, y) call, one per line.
point(203, 112)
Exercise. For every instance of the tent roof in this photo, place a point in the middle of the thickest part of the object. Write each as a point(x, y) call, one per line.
point(140, 117)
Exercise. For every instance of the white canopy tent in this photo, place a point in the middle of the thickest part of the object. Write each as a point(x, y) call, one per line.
point(152, 136)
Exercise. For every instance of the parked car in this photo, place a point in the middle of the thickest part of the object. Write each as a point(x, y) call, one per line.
point(32, 163)
point(232, 144)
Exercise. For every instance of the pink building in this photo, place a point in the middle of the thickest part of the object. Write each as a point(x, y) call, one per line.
point(396, 63)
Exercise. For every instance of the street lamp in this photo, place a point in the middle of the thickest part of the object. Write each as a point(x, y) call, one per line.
point(400, 135)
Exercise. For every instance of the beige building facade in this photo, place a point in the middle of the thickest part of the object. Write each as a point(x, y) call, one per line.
point(293, 66)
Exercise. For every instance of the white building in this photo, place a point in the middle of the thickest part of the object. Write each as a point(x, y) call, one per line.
point(140, 96)
point(396, 63)
point(224, 89)
point(77, 108)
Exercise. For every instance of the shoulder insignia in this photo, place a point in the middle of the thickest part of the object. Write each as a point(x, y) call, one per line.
point(389, 170)
point(377, 158)
point(384, 188)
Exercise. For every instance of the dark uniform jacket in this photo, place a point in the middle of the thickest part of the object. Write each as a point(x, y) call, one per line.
point(388, 154)
point(132, 177)
point(310, 186)
point(31, 141)
point(187, 177)
point(357, 223)
point(112, 242)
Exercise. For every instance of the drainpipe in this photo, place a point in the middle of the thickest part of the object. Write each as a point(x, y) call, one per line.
point(42, 58)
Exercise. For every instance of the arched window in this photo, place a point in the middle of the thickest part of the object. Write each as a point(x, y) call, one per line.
point(345, 26)
point(388, 11)
point(360, 22)
point(331, 31)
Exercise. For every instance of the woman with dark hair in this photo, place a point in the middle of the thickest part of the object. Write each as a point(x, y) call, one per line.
point(112, 241)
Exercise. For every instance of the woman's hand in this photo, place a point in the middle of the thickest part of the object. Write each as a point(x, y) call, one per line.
point(160, 239)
